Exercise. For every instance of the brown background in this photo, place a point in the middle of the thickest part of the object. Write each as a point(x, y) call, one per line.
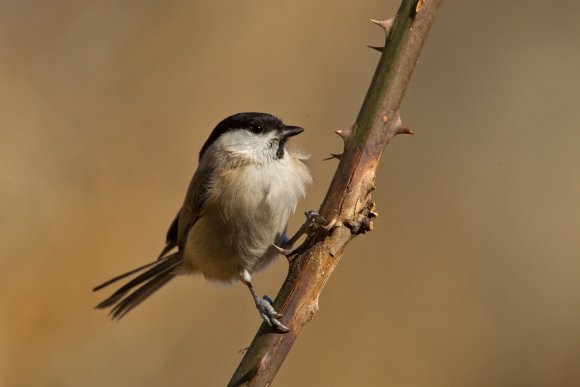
point(472, 277)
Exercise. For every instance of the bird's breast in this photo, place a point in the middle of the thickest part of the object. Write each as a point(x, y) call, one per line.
point(246, 211)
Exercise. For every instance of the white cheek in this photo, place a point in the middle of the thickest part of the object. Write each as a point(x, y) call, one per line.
point(244, 143)
point(235, 141)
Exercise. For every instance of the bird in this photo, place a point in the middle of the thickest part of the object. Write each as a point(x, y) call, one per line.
point(233, 220)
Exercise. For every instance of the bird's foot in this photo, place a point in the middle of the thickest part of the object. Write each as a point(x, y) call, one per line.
point(285, 252)
point(269, 314)
point(313, 222)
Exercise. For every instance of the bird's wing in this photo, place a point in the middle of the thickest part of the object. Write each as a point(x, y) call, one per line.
point(193, 206)
point(189, 213)
point(171, 238)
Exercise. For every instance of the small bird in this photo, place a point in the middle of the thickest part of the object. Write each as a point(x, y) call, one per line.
point(234, 216)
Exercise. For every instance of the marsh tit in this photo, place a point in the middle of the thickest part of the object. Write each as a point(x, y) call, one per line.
point(234, 216)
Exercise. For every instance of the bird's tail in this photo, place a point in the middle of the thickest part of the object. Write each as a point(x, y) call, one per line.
point(125, 298)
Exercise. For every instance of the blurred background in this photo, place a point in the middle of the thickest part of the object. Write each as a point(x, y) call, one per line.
point(471, 277)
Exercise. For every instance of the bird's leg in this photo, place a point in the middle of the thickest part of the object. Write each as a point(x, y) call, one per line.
point(286, 244)
point(313, 221)
point(264, 305)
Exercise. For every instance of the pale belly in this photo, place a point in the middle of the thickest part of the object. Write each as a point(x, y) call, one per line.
point(221, 250)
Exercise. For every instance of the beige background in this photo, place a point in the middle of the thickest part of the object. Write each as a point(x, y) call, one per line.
point(472, 277)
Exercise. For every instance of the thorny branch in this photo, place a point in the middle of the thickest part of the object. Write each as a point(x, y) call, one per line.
point(348, 206)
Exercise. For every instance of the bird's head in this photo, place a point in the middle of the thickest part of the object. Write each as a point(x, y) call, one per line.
point(259, 137)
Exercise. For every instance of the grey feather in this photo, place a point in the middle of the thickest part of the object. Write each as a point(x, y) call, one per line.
point(193, 205)
point(124, 275)
point(171, 239)
point(162, 269)
point(141, 294)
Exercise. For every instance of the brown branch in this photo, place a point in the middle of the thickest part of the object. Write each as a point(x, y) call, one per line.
point(348, 206)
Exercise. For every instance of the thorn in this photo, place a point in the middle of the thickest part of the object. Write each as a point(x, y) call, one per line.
point(333, 156)
point(384, 24)
point(377, 48)
point(400, 128)
point(344, 134)
point(404, 131)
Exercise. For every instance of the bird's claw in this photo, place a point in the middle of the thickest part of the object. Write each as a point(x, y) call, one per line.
point(285, 252)
point(314, 220)
point(270, 315)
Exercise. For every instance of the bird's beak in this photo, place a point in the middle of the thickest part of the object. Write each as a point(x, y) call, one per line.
point(289, 131)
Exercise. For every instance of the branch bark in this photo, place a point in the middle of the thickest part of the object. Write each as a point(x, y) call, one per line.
point(347, 206)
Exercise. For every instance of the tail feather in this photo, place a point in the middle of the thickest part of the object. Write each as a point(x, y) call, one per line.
point(124, 275)
point(146, 283)
point(160, 268)
point(140, 295)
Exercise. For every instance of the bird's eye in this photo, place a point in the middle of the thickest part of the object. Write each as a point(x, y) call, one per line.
point(256, 129)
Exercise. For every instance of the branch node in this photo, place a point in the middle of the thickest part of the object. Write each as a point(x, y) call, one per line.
point(364, 219)
point(334, 223)
point(420, 5)
point(312, 309)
